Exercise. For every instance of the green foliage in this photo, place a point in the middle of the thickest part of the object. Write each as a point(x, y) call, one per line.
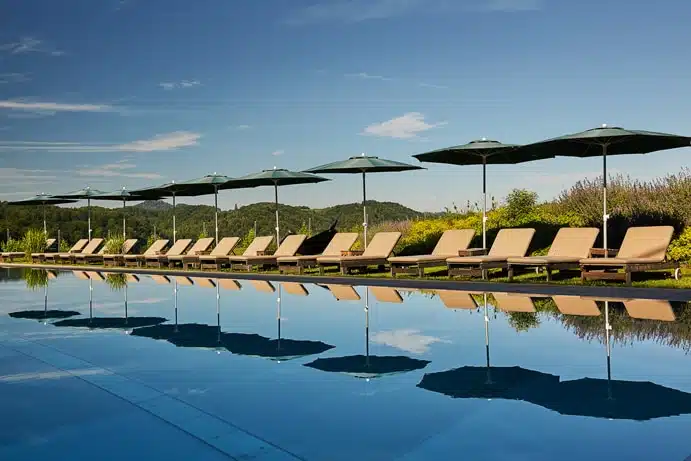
point(114, 245)
point(35, 278)
point(116, 282)
point(680, 248)
point(34, 241)
point(304, 230)
point(13, 246)
point(520, 202)
point(64, 246)
point(523, 321)
point(150, 240)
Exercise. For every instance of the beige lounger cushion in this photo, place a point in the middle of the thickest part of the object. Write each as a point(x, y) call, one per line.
point(380, 248)
point(570, 245)
point(290, 245)
point(641, 245)
point(508, 243)
point(449, 244)
point(200, 246)
point(223, 249)
point(342, 241)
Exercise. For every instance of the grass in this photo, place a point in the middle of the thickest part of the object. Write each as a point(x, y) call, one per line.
point(659, 279)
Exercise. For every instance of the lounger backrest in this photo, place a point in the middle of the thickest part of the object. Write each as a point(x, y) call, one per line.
point(183, 280)
point(510, 302)
point(512, 242)
point(201, 245)
point(160, 279)
point(92, 246)
point(290, 245)
point(50, 243)
point(263, 285)
point(646, 242)
point(344, 292)
point(229, 284)
point(573, 242)
point(386, 295)
point(342, 241)
point(204, 282)
point(128, 245)
point(225, 246)
point(156, 247)
point(258, 244)
point(179, 247)
point(453, 240)
point(382, 244)
point(293, 288)
point(81, 243)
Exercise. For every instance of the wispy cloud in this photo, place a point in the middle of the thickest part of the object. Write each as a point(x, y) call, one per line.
point(366, 76)
point(30, 45)
point(160, 142)
point(242, 127)
point(21, 175)
point(404, 127)
point(14, 77)
point(181, 84)
point(51, 108)
point(432, 85)
point(406, 340)
point(120, 169)
point(354, 11)
point(277, 153)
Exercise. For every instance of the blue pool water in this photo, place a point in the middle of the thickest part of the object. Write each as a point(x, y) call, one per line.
point(220, 385)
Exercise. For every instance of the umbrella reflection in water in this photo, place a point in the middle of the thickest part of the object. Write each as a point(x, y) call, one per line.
point(365, 366)
point(116, 281)
point(207, 336)
point(40, 277)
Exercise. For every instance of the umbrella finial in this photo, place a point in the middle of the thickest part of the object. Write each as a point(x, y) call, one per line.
point(484, 139)
point(274, 167)
point(363, 154)
point(604, 125)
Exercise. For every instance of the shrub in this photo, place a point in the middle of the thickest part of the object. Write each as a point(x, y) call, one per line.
point(36, 278)
point(13, 246)
point(116, 282)
point(680, 248)
point(150, 240)
point(34, 241)
point(64, 246)
point(114, 245)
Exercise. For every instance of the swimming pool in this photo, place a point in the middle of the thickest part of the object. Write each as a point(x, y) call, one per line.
point(146, 367)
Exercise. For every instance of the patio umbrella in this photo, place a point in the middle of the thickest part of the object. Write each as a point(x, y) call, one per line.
point(276, 178)
point(156, 193)
point(606, 141)
point(364, 164)
point(481, 152)
point(43, 200)
point(205, 185)
point(87, 193)
point(125, 197)
point(368, 366)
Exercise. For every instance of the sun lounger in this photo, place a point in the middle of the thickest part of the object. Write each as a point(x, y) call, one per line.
point(160, 279)
point(76, 248)
point(89, 249)
point(230, 284)
point(132, 278)
point(288, 247)
point(263, 286)
point(80, 275)
point(570, 245)
point(159, 260)
point(204, 282)
point(200, 247)
point(377, 253)
point(223, 249)
point(101, 255)
point(343, 292)
point(256, 247)
point(118, 259)
point(508, 243)
point(448, 246)
point(137, 260)
point(515, 302)
point(8, 256)
point(643, 249)
point(183, 280)
point(342, 241)
point(650, 309)
point(97, 276)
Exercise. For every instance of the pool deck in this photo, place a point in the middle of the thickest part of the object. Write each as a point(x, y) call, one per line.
point(548, 289)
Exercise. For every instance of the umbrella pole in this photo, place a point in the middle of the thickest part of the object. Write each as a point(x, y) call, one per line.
point(367, 327)
point(218, 311)
point(174, 230)
point(605, 216)
point(91, 300)
point(484, 202)
point(216, 211)
point(124, 219)
point(489, 377)
point(278, 316)
point(278, 232)
point(88, 202)
point(175, 295)
point(45, 300)
point(45, 227)
point(364, 209)
point(126, 317)
point(608, 328)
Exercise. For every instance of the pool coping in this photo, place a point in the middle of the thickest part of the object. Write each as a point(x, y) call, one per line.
point(668, 294)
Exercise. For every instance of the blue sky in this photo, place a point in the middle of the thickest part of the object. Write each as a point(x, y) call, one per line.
point(133, 93)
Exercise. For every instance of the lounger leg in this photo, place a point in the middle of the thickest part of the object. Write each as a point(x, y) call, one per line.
point(628, 277)
point(548, 271)
point(510, 273)
point(420, 271)
point(583, 271)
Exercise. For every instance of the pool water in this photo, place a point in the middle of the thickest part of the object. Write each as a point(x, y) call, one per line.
point(140, 367)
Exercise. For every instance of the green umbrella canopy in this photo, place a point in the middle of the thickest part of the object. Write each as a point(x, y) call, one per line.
point(274, 177)
point(364, 164)
point(42, 199)
point(81, 194)
point(153, 192)
point(205, 185)
point(618, 141)
point(483, 151)
point(123, 196)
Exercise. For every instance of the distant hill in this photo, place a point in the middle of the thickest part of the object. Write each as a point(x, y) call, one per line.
point(192, 220)
point(154, 205)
